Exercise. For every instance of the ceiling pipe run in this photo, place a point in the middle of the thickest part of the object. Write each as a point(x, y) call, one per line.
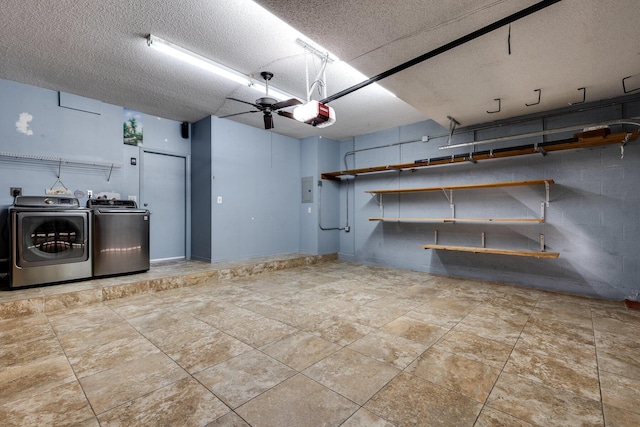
point(458, 42)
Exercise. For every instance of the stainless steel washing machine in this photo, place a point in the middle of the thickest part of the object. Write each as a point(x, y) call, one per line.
point(50, 240)
point(120, 237)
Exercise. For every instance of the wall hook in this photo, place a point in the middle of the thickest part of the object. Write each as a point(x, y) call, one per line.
point(624, 88)
point(499, 107)
point(539, 96)
point(584, 96)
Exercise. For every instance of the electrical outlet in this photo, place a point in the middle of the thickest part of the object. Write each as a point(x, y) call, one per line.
point(15, 191)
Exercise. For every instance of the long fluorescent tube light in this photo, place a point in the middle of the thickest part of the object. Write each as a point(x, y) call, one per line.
point(207, 64)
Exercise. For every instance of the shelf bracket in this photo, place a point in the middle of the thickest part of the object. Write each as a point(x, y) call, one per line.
point(484, 240)
point(449, 197)
point(624, 141)
point(542, 247)
point(435, 237)
point(546, 192)
point(539, 149)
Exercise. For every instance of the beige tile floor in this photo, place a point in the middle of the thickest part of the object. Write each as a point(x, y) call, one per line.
point(332, 344)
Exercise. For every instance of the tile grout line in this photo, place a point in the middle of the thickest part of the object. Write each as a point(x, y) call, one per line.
point(416, 358)
point(484, 405)
point(75, 374)
point(191, 375)
point(595, 348)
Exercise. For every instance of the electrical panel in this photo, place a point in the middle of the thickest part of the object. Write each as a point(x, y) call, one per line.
point(307, 189)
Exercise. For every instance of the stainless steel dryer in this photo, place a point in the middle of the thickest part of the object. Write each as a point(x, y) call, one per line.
point(50, 240)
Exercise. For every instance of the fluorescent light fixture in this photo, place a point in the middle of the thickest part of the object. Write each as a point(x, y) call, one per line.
point(207, 64)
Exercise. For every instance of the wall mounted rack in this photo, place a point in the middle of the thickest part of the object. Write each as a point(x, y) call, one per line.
point(448, 193)
point(578, 141)
point(62, 160)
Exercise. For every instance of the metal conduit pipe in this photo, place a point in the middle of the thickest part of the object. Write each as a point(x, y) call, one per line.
point(346, 228)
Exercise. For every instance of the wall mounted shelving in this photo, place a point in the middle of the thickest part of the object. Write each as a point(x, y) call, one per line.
point(477, 250)
point(448, 192)
point(585, 140)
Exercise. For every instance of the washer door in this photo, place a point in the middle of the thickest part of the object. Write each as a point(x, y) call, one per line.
point(47, 238)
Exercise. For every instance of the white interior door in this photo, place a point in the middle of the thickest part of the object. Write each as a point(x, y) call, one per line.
point(164, 193)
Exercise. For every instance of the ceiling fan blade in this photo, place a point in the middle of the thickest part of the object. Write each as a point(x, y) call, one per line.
point(268, 121)
point(286, 114)
point(245, 102)
point(284, 104)
point(237, 114)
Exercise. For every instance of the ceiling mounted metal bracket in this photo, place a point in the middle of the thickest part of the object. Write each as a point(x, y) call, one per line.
point(320, 80)
point(539, 96)
point(452, 126)
point(499, 107)
point(624, 87)
point(584, 96)
point(322, 55)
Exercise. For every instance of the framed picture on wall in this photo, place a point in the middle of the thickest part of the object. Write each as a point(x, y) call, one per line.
point(132, 127)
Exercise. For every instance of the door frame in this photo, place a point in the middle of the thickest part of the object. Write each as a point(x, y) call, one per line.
point(187, 189)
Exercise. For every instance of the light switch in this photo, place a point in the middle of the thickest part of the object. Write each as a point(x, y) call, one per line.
point(219, 200)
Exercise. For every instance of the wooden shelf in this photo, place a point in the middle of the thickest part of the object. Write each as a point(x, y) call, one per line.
point(544, 147)
point(468, 220)
point(494, 251)
point(463, 187)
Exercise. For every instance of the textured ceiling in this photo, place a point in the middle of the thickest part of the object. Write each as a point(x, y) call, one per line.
point(98, 50)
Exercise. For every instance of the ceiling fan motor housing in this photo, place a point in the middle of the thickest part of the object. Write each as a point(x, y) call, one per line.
point(266, 102)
